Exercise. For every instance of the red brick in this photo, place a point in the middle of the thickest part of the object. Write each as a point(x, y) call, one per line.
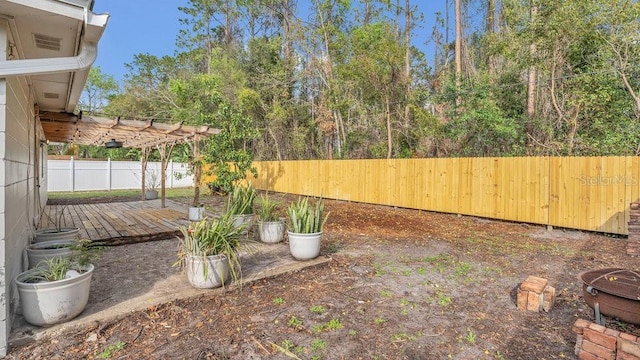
point(601, 339)
point(626, 356)
point(596, 327)
point(612, 332)
point(548, 297)
point(583, 355)
point(535, 284)
point(534, 301)
point(629, 347)
point(521, 300)
point(579, 325)
point(597, 350)
point(629, 337)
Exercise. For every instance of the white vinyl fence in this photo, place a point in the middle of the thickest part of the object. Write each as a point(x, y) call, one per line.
point(86, 175)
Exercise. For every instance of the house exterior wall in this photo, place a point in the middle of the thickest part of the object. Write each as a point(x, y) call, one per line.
point(20, 198)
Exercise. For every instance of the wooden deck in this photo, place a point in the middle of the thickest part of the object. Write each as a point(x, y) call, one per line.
point(120, 222)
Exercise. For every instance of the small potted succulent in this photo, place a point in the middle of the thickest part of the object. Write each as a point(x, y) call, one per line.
point(208, 251)
point(240, 206)
point(270, 225)
point(305, 228)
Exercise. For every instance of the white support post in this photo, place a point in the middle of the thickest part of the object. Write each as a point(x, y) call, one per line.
point(109, 174)
point(73, 175)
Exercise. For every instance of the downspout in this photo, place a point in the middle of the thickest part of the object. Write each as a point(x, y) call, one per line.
point(85, 58)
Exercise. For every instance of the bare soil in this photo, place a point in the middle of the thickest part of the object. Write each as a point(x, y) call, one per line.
point(401, 284)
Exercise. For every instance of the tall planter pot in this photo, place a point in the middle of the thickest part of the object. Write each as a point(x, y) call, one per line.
point(196, 213)
point(53, 302)
point(45, 250)
point(271, 232)
point(207, 272)
point(151, 194)
point(50, 234)
point(304, 246)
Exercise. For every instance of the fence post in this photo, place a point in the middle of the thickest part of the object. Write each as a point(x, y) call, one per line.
point(73, 175)
point(109, 174)
point(171, 173)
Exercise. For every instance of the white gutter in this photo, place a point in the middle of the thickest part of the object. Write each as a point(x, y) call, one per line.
point(87, 55)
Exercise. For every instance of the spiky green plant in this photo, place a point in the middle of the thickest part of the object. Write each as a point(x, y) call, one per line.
point(53, 269)
point(240, 200)
point(267, 209)
point(212, 237)
point(305, 218)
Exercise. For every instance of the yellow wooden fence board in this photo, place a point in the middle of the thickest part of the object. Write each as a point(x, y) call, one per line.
point(590, 193)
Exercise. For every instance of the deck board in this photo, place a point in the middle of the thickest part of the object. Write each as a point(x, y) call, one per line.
point(122, 222)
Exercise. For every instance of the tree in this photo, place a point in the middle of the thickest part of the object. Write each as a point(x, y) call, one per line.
point(99, 89)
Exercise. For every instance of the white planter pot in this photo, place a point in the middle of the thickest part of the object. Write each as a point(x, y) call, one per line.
point(304, 246)
point(46, 250)
point(48, 303)
point(196, 213)
point(50, 234)
point(207, 272)
point(245, 220)
point(271, 232)
point(151, 194)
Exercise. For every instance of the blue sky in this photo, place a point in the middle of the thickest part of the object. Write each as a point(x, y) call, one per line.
point(151, 26)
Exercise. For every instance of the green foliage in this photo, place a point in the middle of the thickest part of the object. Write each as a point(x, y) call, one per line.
point(267, 208)
point(240, 200)
point(53, 269)
point(111, 349)
point(304, 218)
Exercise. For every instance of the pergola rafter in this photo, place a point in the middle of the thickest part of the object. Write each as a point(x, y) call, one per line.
point(141, 134)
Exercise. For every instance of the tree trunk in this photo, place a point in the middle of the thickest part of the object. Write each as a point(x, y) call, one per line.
point(458, 54)
point(197, 170)
point(388, 118)
point(407, 62)
point(531, 83)
point(490, 29)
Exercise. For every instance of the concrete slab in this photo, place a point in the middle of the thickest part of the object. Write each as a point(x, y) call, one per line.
point(134, 277)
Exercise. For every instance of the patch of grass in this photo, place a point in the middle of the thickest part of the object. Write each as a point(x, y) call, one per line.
point(334, 324)
point(278, 301)
point(471, 337)
point(294, 322)
point(379, 320)
point(318, 345)
point(421, 271)
point(287, 344)
point(385, 293)
point(170, 193)
point(401, 337)
point(441, 298)
point(440, 262)
point(317, 309)
point(111, 349)
point(353, 333)
point(406, 272)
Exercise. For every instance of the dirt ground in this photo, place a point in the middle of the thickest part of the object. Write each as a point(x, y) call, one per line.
point(401, 284)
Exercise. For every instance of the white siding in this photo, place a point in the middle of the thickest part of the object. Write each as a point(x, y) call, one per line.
point(20, 201)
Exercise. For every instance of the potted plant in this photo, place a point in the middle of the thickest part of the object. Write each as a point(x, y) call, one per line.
point(208, 251)
point(306, 223)
point(270, 226)
point(240, 206)
point(79, 250)
point(58, 232)
point(196, 213)
point(152, 182)
point(55, 292)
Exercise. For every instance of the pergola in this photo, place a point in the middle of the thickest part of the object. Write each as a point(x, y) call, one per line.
point(141, 134)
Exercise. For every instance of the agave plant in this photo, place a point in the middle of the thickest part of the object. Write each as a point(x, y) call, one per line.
point(305, 218)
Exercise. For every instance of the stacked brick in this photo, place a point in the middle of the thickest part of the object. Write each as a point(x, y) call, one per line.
point(596, 342)
point(633, 243)
point(535, 294)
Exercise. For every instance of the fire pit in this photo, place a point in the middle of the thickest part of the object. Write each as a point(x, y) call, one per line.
point(613, 292)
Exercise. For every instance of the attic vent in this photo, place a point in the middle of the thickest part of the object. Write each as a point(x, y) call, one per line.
point(47, 42)
point(50, 95)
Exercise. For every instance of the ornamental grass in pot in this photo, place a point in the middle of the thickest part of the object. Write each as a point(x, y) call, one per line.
point(55, 291)
point(306, 222)
point(209, 251)
point(240, 206)
point(270, 225)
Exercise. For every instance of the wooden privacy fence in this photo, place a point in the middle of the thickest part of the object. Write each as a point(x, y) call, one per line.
point(587, 193)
